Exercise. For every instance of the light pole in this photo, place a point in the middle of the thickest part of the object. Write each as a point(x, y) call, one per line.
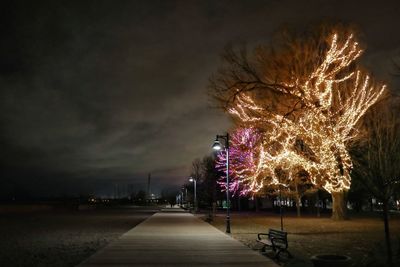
point(181, 197)
point(194, 181)
point(184, 197)
point(280, 202)
point(217, 146)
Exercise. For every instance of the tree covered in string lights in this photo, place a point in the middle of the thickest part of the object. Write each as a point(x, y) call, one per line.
point(306, 95)
point(243, 160)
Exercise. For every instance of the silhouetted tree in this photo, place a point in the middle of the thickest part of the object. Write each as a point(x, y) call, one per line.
point(140, 197)
point(377, 158)
point(208, 186)
point(169, 196)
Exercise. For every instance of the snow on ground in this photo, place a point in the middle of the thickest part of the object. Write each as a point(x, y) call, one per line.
point(361, 237)
point(62, 238)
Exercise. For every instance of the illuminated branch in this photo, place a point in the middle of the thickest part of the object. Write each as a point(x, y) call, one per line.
point(314, 141)
point(242, 160)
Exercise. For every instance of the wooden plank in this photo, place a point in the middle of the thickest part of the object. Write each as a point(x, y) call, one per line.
point(176, 239)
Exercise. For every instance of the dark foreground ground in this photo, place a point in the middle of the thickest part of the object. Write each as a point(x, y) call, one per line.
point(66, 238)
point(62, 238)
point(361, 237)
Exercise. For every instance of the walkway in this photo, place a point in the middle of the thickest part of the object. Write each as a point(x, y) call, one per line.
point(176, 239)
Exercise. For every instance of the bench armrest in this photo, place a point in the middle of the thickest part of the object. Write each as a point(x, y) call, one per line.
point(260, 234)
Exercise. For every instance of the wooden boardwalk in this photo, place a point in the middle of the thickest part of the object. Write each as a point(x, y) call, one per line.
point(176, 239)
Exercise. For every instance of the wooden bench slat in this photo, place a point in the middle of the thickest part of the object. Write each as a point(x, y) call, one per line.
point(265, 241)
point(276, 239)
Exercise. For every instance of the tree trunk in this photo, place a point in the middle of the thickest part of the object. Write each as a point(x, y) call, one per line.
point(214, 198)
point(256, 203)
point(339, 207)
point(387, 233)
point(303, 201)
point(371, 205)
point(298, 200)
point(298, 207)
point(214, 209)
point(311, 204)
point(317, 203)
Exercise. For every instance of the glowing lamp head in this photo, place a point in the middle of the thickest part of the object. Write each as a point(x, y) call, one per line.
point(191, 179)
point(216, 145)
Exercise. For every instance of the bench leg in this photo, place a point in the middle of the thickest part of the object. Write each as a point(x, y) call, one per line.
point(277, 254)
point(281, 250)
point(289, 254)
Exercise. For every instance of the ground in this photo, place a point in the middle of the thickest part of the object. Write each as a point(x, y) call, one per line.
point(62, 238)
point(361, 237)
point(66, 238)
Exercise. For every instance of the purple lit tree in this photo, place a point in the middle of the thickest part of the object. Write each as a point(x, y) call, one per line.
point(243, 160)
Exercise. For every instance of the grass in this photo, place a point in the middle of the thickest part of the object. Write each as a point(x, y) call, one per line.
point(361, 237)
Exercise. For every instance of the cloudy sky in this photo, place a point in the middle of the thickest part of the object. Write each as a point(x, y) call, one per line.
point(99, 93)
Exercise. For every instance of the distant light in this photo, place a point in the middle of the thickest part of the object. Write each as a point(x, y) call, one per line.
point(191, 179)
point(216, 145)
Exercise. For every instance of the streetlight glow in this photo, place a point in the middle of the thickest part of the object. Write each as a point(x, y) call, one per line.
point(216, 145)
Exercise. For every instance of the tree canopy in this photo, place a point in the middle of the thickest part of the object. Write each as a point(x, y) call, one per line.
point(306, 95)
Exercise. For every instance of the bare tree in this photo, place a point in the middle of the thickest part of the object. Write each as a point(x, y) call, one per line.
point(377, 157)
point(197, 167)
point(209, 183)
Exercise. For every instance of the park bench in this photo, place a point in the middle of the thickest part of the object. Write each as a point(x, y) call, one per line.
point(275, 239)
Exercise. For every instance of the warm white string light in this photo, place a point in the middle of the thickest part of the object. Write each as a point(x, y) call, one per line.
point(333, 104)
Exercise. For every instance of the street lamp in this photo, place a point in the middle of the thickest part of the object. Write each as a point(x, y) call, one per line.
point(217, 146)
point(194, 181)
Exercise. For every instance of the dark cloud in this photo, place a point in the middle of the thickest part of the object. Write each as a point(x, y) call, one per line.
point(98, 93)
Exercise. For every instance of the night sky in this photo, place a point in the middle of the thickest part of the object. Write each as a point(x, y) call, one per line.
point(95, 94)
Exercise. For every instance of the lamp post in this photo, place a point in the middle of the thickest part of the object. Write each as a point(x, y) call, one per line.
point(194, 181)
point(184, 197)
point(217, 146)
point(280, 202)
point(181, 198)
